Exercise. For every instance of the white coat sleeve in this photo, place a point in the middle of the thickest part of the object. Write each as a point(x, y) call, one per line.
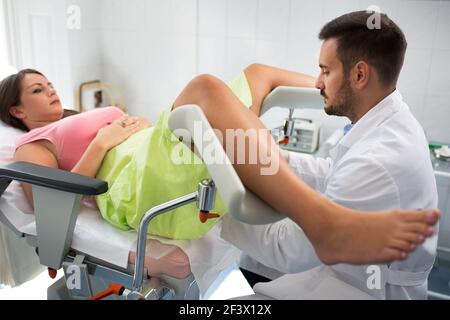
point(363, 183)
point(282, 246)
point(312, 171)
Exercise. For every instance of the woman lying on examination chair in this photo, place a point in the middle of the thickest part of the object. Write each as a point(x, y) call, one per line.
point(80, 143)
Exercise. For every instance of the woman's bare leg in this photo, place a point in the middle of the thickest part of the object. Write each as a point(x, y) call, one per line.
point(337, 233)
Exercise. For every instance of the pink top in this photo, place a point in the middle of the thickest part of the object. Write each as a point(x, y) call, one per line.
point(72, 135)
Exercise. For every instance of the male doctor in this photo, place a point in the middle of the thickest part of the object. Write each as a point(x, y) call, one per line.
point(381, 163)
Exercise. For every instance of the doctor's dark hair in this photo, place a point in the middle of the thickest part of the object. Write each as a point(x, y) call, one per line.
point(10, 92)
point(382, 47)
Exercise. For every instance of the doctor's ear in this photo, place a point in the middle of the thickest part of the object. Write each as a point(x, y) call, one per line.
point(17, 112)
point(361, 74)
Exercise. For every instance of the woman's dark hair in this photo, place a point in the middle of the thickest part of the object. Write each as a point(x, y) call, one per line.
point(10, 92)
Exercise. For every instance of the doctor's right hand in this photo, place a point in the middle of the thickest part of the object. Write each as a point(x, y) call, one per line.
point(117, 132)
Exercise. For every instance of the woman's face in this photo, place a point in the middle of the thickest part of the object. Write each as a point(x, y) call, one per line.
point(39, 102)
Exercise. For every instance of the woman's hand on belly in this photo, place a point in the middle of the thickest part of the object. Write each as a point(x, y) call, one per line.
point(143, 123)
point(118, 131)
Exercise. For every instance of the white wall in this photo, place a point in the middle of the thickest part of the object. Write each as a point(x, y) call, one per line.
point(233, 33)
point(84, 43)
point(152, 48)
point(149, 49)
point(37, 38)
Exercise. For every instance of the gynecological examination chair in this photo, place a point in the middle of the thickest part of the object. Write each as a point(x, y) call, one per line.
point(94, 256)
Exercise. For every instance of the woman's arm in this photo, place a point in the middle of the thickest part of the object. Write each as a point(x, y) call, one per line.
point(43, 152)
point(36, 152)
point(107, 138)
point(263, 79)
point(90, 161)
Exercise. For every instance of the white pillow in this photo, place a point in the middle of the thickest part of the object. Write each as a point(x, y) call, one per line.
point(14, 196)
point(9, 137)
point(18, 262)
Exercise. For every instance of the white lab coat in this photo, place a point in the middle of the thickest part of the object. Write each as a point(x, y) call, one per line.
point(382, 163)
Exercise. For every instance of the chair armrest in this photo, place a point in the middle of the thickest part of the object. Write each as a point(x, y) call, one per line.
point(51, 178)
point(56, 198)
point(293, 97)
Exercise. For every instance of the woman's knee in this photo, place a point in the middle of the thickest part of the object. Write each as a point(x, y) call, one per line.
point(207, 83)
point(201, 91)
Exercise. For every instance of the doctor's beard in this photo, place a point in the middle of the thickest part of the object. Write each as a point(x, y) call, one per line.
point(344, 101)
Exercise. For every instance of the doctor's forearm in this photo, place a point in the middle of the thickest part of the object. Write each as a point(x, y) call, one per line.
point(90, 162)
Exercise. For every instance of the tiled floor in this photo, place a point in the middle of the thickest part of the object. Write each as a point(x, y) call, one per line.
point(35, 289)
point(231, 283)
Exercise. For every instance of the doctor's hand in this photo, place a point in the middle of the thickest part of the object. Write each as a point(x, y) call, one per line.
point(118, 131)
